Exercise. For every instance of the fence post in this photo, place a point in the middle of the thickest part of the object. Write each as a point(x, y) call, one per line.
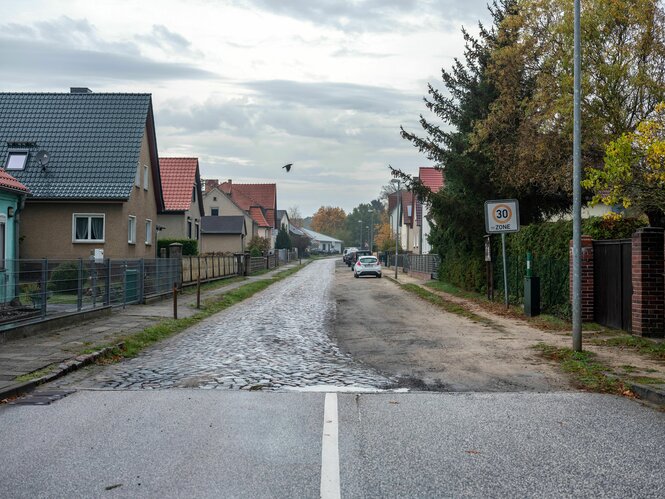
point(79, 287)
point(175, 300)
point(142, 280)
point(107, 291)
point(43, 285)
point(124, 283)
point(191, 269)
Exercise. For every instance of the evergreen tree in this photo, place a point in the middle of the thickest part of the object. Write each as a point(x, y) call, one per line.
point(283, 240)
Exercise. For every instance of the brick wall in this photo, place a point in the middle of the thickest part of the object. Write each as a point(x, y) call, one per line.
point(648, 266)
point(587, 278)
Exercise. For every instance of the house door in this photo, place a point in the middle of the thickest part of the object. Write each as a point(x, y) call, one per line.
point(612, 283)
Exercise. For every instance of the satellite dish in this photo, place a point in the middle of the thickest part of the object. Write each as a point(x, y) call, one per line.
point(43, 157)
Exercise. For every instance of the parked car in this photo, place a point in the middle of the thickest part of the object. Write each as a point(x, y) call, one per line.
point(367, 265)
point(353, 257)
point(346, 253)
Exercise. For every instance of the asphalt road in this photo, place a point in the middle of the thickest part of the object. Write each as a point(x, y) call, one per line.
point(218, 443)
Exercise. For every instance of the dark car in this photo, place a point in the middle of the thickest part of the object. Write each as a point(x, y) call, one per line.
point(352, 258)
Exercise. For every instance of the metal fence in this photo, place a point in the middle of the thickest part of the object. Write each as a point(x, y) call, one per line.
point(208, 267)
point(554, 282)
point(35, 289)
point(425, 264)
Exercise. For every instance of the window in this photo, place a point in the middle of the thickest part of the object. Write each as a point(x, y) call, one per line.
point(137, 177)
point(189, 229)
point(145, 177)
point(131, 230)
point(148, 232)
point(214, 212)
point(198, 231)
point(193, 194)
point(16, 160)
point(88, 228)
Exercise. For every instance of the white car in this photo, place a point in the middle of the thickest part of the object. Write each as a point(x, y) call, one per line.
point(367, 265)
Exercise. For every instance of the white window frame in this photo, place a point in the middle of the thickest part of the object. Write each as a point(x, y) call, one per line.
point(89, 216)
point(148, 232)
point(131, 229)
point(145, 177)
point(16, 153)
point(137, 177)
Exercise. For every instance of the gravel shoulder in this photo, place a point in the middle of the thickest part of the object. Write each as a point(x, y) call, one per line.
point(403, 336)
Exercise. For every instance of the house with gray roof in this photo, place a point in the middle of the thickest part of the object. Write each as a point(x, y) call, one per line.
point(321, 242)
point(223, 234)
point(91, 164)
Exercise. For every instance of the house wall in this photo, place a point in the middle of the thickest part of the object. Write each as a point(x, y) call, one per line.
point(7, 274)
point(47, 226)
point(222, 243)
point(217, 199)
point(175, 223)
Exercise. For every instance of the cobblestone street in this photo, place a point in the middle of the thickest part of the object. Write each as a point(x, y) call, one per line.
point(278, 339)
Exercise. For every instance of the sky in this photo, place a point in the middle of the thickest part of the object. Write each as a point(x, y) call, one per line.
point(250, 85)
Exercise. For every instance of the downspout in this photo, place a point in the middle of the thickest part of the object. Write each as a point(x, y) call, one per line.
point(17, 233)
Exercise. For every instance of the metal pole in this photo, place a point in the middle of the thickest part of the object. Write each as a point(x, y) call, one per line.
point(397, 224)
point(577, 189)
point(505, 269)
point(175, 300)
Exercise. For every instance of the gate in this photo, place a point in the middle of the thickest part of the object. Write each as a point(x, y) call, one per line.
point(612, 283)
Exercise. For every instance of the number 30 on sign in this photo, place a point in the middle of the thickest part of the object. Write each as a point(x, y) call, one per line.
point(502, 215)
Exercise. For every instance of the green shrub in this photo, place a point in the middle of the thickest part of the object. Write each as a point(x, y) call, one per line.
point(65, 278)
point(255, 252)
point(190, 247)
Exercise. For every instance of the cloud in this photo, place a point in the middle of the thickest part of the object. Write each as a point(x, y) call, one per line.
point(338, 95)
point(70, 51)
point(168, 41)
point(375, 15)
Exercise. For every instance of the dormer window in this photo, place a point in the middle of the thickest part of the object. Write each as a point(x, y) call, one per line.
point(16, 160)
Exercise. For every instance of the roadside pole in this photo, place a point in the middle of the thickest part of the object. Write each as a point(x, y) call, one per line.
point(502, 216)
point(577, 188)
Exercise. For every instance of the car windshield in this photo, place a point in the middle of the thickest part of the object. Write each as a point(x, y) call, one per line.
point(368, 259)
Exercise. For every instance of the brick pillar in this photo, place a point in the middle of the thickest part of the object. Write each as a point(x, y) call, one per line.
point(648, 265)
point(587, 277)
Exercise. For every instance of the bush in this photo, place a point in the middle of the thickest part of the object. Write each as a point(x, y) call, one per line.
point(65, 278)
point(255, 252)
point(260, 243)
point(190, 247)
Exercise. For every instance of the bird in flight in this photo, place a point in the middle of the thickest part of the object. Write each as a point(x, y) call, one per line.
point(288, 167)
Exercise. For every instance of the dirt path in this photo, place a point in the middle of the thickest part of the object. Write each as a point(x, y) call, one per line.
point(401, 335)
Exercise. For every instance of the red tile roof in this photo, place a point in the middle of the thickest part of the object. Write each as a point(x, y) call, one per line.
point(9, 182)
point(248, 195)
point(178, 180)
point(407, 200)
point(431, 177)
point(257, 215)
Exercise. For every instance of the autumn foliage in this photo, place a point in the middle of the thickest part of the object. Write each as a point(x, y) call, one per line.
point(329, 220)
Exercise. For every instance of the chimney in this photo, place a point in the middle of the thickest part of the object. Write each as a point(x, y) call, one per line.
point(210, 184)
point(229, 181)
point(79, 90)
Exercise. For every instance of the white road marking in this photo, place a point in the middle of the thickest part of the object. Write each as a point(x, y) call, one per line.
point(330, 482)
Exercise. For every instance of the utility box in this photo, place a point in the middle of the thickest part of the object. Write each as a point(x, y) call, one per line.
point(532, 296)
point(131, 285)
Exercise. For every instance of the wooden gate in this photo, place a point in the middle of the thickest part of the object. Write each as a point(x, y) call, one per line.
point(612, 283)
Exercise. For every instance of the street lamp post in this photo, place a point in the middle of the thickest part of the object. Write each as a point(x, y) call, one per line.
point(371, 233)
point(360, 235)
point(398, 219)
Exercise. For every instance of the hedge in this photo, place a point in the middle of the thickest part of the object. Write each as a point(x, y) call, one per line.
point(190, 247)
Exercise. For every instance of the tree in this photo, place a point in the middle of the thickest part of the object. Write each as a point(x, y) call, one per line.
point(301, 243)
point(283, 240)
point(295, 216)
point(634, 170)
point(329, 220)
point(258, 244)
point(529, 129)
point(384, 239)
point(457, 209)
point(359, 224)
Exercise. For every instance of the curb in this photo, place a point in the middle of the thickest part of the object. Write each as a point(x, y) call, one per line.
point(649, 393)
point(63, 368)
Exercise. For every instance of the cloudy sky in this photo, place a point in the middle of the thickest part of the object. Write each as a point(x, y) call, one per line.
point(249, 85)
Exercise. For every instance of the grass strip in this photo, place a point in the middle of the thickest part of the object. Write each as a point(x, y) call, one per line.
point(208, 286)
point(586, 370)
point(649, 348)
point(36, 374)
point(447, 305)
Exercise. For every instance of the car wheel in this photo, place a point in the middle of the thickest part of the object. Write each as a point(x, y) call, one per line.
point(355, 275)
point(379, 276)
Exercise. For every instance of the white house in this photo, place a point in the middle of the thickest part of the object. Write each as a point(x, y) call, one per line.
point(323, 243)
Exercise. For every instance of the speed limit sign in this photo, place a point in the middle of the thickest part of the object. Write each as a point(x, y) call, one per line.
point(502, 215)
